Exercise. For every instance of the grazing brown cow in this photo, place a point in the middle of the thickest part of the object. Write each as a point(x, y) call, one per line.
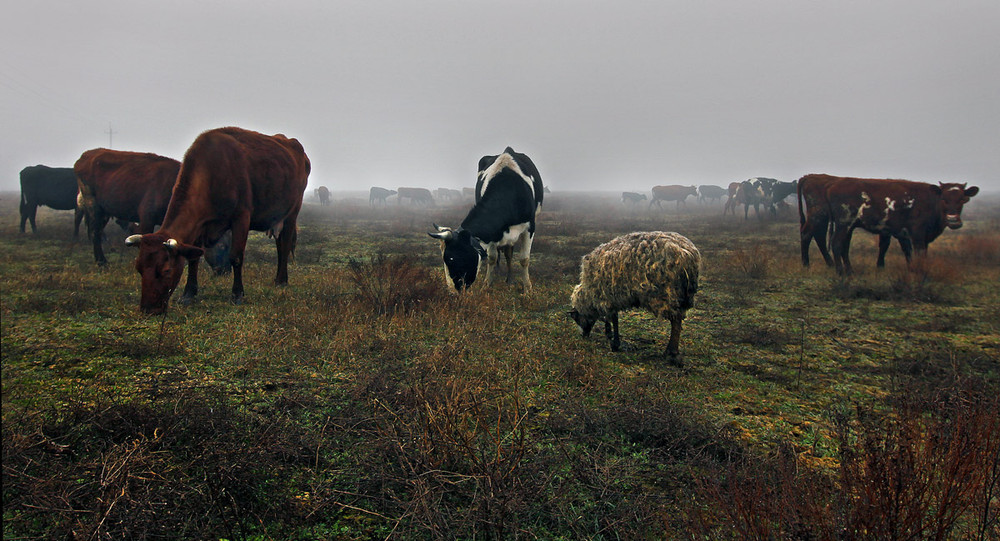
point(915, 213)
point(129, 186)
point(672, 193)
point(231, 178)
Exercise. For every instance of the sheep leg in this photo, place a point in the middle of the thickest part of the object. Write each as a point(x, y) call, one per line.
point(611, 331)
point(673, 347)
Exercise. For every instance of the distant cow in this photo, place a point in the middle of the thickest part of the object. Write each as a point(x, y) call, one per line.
point(231, 178)
point(672, 193)
point(53, 187)
point(469, 193)
point(632, 198)
point(779, 192)
point(915, 213)
point(755, 192)
point(417, 196)
point(129, 186)
point(732, 191)
point(379, 195)
point(447, 194)
point(323, 193)
point(509, 193)
point(709, 192)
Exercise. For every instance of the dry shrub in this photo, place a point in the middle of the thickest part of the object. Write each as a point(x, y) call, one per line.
point(928, 468)
point(390, 284)
point(924, 279)
point(752, 262)
point(453, 448)
point(982, 248)
point(191, 468)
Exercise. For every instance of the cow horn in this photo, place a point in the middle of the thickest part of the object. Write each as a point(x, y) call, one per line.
point(443, 234)
point(133, 240)
point(171, 245)
point(439, 228)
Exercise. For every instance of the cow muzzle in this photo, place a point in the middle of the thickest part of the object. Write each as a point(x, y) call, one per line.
point(953, 221)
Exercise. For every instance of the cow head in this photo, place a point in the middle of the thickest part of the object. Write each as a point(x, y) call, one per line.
point(953, 197)
point(461, 253)
point(160, 263)
point(584, 321)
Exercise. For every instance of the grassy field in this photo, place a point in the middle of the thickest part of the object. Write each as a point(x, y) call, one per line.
point(364, 401)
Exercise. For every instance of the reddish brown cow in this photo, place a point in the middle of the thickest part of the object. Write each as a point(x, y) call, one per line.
point(129, 186)
point(734, 188)
point(673, 192)
point(231, 178)
point(915, 213)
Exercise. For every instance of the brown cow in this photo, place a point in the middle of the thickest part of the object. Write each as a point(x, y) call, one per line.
point(915, 213)
point(733, 190)
point(672, 193)
point(129, 186)
point(231, 178)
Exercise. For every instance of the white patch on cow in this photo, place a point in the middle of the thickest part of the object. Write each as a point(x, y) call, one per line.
point(512, 234)
point(865, 205)
point(505, 161)
point(908, 203)
point(447, 277)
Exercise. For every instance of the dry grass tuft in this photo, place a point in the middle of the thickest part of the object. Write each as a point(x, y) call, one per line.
point(390, 284)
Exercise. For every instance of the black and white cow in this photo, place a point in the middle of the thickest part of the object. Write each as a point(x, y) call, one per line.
point(509, 194)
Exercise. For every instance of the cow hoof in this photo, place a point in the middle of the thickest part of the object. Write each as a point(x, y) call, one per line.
point(675, 359)
point(186, 300)
point(237, 299)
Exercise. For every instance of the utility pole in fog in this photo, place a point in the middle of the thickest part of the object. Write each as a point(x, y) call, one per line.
point(110, 133)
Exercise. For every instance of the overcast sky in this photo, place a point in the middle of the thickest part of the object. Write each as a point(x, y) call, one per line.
point(602, 95)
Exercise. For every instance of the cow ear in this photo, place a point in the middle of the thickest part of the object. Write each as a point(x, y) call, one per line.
point(186, 251)
point(969, 192)
point(936, 189)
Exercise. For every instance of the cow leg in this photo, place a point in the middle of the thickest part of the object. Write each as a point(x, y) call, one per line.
point(673, 346)
point(241, 230)
point(191, 287)
point(611, 331)
point(884, 239)
point(285, 242)
point(100, 221)
point(32, 210)
point(838, 241)
point(525, 260)
point(508, 254)
point(492, 260)
point(907, 247)
point(77, 218)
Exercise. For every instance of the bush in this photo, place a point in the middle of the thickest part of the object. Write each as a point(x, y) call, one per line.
point(390, 284)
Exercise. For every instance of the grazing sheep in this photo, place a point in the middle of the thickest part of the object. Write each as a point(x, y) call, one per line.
point(655, 270)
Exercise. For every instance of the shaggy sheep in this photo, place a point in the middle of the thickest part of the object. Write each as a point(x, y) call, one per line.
point(654, 270)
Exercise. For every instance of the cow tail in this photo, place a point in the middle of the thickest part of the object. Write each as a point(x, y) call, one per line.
point(802, 215)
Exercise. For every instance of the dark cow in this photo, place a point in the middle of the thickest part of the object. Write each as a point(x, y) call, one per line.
point(509, 193)
point(129, 186)
point(231, 178)
point(915, 213)
point(755, 192)
point(732, 191)
point(633, 198)
point(779, 192)
point(323, 193)
point(379, 195)
point(417, 196)
point(671, 193)
point(709, 192)
point(53, 187)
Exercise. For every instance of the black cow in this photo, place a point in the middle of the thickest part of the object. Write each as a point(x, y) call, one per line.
point(779, 192)
point(379, 195)
point(54, 187)
point(509, 194)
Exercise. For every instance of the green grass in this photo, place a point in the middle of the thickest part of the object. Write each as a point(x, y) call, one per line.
point(312, 412)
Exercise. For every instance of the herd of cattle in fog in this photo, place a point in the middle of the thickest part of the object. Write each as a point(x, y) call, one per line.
point(232, 181)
